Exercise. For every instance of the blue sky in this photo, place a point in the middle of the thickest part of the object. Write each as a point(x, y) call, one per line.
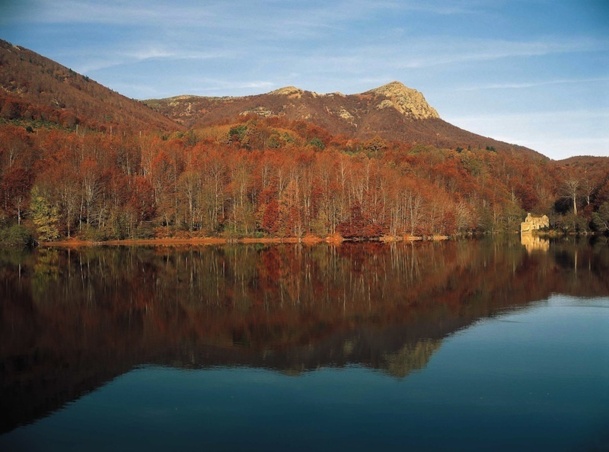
point(530, 72)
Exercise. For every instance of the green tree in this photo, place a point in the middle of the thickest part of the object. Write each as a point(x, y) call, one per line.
point(16, 235)
point(317, 143)
point(600, 219)
point(44, 215)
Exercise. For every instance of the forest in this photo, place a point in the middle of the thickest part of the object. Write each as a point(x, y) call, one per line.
point(270, 177)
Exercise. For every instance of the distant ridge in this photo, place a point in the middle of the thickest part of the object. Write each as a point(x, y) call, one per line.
point(393, 112)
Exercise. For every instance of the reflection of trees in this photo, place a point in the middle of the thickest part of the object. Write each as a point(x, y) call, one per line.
point(405, 261)
point(290, 295)
point(46, 270)
point(74, 318)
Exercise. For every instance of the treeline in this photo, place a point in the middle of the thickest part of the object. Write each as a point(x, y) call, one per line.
point(267, 177)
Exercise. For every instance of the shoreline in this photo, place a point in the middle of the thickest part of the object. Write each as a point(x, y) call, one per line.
point(170, 241)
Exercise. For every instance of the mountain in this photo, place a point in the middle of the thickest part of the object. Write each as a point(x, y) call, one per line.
point(392, 112)
point(77, 159)
point(35, 89)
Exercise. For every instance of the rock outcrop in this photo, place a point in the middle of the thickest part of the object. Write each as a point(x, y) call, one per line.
point(407, 101)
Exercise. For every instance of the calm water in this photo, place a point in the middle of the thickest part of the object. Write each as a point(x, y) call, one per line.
point(452, 346)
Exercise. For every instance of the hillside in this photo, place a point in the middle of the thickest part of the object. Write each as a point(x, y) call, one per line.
point(36, 90)
point(290, 163)
point(392, 112)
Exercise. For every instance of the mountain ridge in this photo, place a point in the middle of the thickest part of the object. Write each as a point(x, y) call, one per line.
point(392, 112)
point(36, 89)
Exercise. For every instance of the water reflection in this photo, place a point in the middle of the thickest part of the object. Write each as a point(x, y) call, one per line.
point(534, 243)
point(71, 320)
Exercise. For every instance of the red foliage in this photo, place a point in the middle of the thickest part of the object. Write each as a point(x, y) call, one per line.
point(186, 185)
point(142, 198)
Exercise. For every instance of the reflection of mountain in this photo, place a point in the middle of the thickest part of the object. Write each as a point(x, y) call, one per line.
point(72, 320)
point(411, 357)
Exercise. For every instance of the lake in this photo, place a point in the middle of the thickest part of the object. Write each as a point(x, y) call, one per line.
point(462, 345)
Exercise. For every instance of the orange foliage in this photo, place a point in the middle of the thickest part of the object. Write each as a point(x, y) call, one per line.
point(125, 186)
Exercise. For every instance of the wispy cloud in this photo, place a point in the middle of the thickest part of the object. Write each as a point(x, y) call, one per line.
point(160, 53)
point(136, 12)
point(219, 86)
point(434, 52)
point(207, 86)
point(304, 19)
point(266, 28)
point(483, 55)
point(534, 84)
point(135, 53)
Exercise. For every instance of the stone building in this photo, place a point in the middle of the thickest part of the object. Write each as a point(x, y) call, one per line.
point(533, 223)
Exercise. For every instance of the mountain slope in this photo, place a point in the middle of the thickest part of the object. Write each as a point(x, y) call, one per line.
point(392, 112)
point(36, 89)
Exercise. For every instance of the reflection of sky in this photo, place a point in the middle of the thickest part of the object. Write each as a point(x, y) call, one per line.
point(535, 73)
point(536, 378)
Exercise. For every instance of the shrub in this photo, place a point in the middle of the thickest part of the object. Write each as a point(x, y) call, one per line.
point(16, 236)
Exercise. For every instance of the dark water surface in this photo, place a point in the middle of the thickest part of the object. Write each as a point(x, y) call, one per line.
point(430, 346)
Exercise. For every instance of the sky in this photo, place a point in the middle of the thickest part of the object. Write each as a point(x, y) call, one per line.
point(529, 72)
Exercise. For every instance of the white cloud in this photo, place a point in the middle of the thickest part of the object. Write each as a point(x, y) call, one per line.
point(134, 13)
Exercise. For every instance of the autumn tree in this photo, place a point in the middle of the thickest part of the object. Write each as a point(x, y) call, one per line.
point(354, 225)
point(15, 189)
point(290, 210)
point(213, 195)
point(571, 187)
point(270, 217)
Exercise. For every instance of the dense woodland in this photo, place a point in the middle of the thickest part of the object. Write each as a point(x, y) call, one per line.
point(80, 161)
point(264, 177)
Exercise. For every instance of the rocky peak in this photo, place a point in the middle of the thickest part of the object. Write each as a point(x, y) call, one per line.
point(407, 101)
point(290, 91)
